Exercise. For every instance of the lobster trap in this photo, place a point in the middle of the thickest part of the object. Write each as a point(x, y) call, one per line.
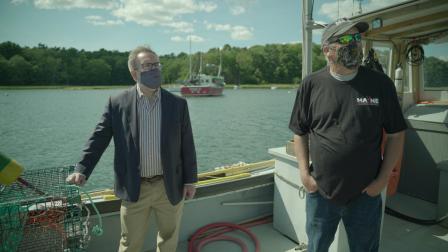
point(40, 212)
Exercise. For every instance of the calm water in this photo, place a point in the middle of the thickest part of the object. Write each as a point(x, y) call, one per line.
point(48, 128)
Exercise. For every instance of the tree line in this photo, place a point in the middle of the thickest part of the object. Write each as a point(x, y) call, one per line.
point(260, 64)
point(41, 65)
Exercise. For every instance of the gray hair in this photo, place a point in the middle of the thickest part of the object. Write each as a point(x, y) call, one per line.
point(134, 53)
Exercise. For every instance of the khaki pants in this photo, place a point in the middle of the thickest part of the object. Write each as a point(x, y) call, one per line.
point(134, 218)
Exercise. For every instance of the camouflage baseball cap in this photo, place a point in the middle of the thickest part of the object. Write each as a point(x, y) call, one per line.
point(340, 26)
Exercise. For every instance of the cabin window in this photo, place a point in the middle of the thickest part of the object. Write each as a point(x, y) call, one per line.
point(384, 53)
point(435, 65)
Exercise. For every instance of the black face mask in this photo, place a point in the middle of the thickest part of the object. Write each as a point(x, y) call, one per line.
point(350, 56)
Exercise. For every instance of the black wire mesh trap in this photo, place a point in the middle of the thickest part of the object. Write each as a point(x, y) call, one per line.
point(41, 212)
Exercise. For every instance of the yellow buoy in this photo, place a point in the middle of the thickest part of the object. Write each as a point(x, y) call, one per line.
point(10, 170)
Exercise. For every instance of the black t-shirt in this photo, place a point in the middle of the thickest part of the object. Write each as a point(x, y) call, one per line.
point(345, 122)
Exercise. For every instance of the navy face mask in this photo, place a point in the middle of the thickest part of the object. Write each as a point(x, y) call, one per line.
point(151, 78)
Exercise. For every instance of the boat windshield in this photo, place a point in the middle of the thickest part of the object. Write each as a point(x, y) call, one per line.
point(435, 65)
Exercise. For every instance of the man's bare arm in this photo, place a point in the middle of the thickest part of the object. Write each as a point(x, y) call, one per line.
point(302, 151)
point(302, 155)
point(392, 153)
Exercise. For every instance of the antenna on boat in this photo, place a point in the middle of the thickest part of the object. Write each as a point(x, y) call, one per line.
point(200, 62)
point(359, 12)
point(220, 62)
point(189, 71)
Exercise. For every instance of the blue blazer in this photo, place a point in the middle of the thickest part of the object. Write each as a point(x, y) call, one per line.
point(120, 121)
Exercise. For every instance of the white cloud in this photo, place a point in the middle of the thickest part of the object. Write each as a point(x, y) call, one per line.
point(347, 9)
point(18, 1)
point(237, 32)
point(442, 57)
point(237, 10)
point(177, 39)
point(207, 6)
point(72, 4)
point(194, 38)
point(180, 26)
point(238, 7)
point(165, 13)
point(218, 27)
point(99, 21)
point(241, 33)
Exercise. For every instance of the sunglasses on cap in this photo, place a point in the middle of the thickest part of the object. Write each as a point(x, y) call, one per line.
point(346, 39)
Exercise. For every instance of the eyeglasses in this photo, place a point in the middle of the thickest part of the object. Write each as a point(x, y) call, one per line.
point(151, 66)
point(346, 39)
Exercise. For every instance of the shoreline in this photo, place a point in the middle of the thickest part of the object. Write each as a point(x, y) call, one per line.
point(168, 86)
point(60, 87)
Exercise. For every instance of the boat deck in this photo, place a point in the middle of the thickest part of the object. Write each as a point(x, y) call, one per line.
point(398, 235)
point(270, 241)
point(248, 199)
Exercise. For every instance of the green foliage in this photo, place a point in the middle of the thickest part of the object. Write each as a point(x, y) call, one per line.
point(272, 63)
point(5, 70)
point(22, 70)
point(98, 71)
point(9, 49)
point(318, 60)
point(435, 73)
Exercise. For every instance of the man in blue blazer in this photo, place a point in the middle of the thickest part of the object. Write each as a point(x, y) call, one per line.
point(155, 159)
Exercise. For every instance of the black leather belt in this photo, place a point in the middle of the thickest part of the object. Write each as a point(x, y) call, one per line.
point(151, 179)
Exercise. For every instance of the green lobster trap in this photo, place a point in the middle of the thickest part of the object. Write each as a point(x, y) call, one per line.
point(42, 213)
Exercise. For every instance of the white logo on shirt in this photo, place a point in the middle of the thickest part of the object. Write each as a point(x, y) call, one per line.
point(369, 101)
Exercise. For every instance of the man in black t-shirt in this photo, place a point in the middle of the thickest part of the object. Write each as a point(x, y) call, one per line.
point(338, 119)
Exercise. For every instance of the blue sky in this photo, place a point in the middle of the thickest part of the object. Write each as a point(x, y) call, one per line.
point(163, 24)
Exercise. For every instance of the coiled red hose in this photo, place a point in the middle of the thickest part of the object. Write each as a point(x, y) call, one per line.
point(221, 238)
point(228, 227)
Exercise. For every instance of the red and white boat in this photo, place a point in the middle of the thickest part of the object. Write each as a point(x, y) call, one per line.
point(203, 85)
